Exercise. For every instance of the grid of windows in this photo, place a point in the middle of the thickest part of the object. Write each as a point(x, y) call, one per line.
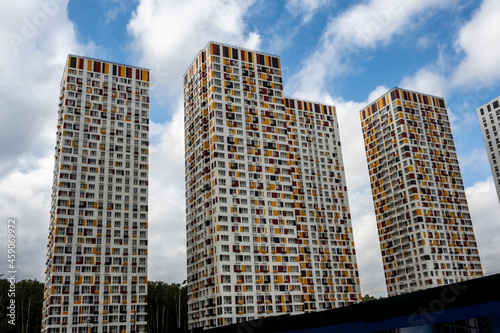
point(268, 223)
point(489, 118)
point(425, 229)
point(97, 252)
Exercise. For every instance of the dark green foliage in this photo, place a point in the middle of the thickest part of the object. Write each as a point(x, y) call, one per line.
point(367, 298)
point(29, 297)
point(163, 307)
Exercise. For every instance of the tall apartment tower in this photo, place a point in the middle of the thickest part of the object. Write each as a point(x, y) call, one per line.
point(268, 223)
point(96, 277)
point(423, 220)
point(489, 118)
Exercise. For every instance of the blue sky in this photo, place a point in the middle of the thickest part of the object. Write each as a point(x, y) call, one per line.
point(345, 53)
point(292, 30)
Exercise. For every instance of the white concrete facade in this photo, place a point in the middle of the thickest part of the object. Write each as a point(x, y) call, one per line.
point(268, 223)
point(489, 118)
point(424, 226)
point(96, 277)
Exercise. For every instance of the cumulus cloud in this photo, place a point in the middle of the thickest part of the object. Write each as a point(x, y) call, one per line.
point(194, 23)
point(427, 81)
point(166, 38)
point(117, 8)
point(164, 32)
point(307, 8)
point(361, 27)
point(34, 41)
point(476, 53)
point(25, 196)
point(423, 42)
point(35, 38)
point(284, 31)
point(371, 271)
point(167, 233)
point(360, 198)
point(167, 227)
point(478, 41)
point(482, 199)
point(475, 160)
point(485, 212)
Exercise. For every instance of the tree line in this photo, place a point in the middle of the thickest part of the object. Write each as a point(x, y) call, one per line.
point(163, 307)
point(28, 306)
point(167, 306)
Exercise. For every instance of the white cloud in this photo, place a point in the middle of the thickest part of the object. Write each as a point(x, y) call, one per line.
point(26, 197)
point(35, 39)
point(307, 8)
point(482, 199)
point(167, 220)
point(427, 81)
point(485, 212)
point(359, 189)
point(371, 272)
point(284, 31)
point(378, 21)
point(364, 26)
point(475, 160)
point(164, 32)
point(279, 40)
point(374, 95)
point(478, 40)
point(423, 42)
point(118, 7)
point(477, 71)
point(353, 148)
point(167, 256)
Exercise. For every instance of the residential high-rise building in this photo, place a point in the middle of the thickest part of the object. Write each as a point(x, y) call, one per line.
point(424, 225)
point(489, 118)
point(268, 223)
point(96, 277)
